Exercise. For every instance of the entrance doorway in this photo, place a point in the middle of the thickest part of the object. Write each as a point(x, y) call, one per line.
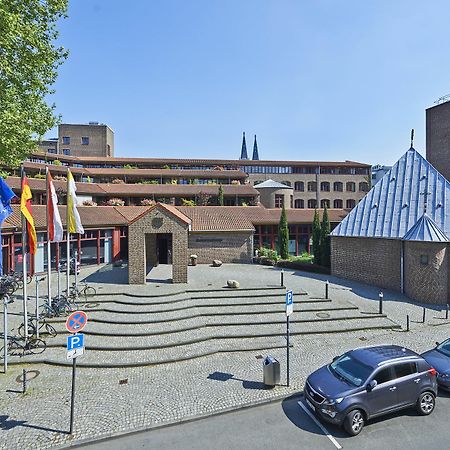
point(164, 248)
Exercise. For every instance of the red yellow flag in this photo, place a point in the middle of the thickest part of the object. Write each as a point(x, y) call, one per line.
point(25, 209)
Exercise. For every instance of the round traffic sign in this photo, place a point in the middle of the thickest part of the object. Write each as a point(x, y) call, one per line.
point(76, 321)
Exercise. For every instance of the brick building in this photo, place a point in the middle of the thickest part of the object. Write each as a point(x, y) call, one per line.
point(397, 236)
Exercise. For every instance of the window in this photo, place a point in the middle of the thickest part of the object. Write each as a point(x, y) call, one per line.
point(66, 140)
point(312, 203)
point(325, 186)
point(338, 186)
point(351, 187)
point(287, 183)
point(405, 369)
point(312, 186)
point(299, 186)
point(66, 151)
point(299, 203)
point(324, 202)
point(51, 150)
point(84, 140)
point(338, 204)
point(384, 375)
point(364, 187)
point(279, 199)
point(350, 204)
point(424, 260)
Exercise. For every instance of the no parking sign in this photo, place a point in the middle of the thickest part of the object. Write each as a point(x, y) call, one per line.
point(76, 321)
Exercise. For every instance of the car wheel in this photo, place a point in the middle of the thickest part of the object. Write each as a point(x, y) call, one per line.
point(426, 403)
point(354, 422)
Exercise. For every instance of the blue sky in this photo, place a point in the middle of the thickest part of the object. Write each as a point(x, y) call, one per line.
point(315, 80)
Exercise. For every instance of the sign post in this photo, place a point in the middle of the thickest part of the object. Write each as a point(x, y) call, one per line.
point(289, 311)
point(75, 347)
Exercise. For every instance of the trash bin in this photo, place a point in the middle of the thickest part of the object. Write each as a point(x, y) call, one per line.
point(271, 371)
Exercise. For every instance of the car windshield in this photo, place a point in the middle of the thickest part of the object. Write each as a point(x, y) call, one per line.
point(351, 370)
point(444, 347)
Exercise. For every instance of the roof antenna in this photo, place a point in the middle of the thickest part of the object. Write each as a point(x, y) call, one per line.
point(412, 138)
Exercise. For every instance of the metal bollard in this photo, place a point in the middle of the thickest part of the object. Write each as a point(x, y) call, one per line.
point(446, 312)
point(24, 381)
point(282, 277)
point(424, 314)
point(327, 284)
point(407, 322)
point(380, 304)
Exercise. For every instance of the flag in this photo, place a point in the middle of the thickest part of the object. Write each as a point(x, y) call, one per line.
point(6, 194)
point(55, 227)
point(26, 210)
point(73, 218)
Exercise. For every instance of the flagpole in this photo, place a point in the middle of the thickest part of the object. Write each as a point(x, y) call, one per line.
point(49, 251)
point(68, 238)
point(24, 261)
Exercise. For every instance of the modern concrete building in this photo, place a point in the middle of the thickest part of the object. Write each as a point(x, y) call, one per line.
point(438, 136)
point(397, 236)
point(91, 140)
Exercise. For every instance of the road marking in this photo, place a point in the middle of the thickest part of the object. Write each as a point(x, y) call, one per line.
point(325, 431)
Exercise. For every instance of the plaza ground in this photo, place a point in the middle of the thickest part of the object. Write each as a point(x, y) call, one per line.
point(218, 372)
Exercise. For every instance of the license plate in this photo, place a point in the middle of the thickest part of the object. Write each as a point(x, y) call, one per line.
point(310, 404)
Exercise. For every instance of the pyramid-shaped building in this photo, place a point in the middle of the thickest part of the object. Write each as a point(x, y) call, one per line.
point(397, 237)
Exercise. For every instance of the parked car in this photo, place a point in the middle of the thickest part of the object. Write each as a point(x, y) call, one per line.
point(370, 382)
point(439, 358)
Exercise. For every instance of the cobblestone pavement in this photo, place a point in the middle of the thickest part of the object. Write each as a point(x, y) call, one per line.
point(123, 399)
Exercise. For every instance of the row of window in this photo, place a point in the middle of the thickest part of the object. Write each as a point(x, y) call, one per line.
point(312, 203)
point(84, 140)
point(325, 186)
point(307, 170)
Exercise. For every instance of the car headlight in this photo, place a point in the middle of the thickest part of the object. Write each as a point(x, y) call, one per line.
point(443, 375)
point(332, 402)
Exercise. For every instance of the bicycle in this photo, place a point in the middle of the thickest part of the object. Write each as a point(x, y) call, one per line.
point(15, 347)
point(32, 328)
point(86, 291)
point(60, 306)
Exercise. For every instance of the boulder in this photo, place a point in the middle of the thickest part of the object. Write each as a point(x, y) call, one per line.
point(216, 263)
point(233, 284)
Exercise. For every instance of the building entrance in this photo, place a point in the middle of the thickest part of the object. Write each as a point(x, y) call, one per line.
point(164, 248)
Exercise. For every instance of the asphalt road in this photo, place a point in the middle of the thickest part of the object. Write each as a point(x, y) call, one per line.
point(284, 425)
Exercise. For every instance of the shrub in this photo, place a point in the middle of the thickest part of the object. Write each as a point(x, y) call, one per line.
point(185, 202)
point(40, 176)
point(147, 202)
point(118, 181)
point(115, 202)
point(57, 162)
point(89, 203)
point(60, 178)
point(4, 173)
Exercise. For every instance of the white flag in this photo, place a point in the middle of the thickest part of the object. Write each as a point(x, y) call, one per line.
point(73, 217)
point(55, 227)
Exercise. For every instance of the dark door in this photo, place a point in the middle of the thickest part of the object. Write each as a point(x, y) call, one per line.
point(384, 396)
point(408, 382)
point(163, 247)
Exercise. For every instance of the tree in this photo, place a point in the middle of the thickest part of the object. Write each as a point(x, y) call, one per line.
point(283, 235)
point(325, 250)
point(220, 197)
point(29, 60)
point(316, 237)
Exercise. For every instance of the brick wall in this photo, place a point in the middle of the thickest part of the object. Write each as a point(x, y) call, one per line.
point(267, 197)
point(156, 221)
point(427, 283)
point(227, 247)
point(369, 260)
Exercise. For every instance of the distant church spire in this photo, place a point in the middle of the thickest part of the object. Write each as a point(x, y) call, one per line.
point(244, 148)
point(412, 138)
point(255, 150)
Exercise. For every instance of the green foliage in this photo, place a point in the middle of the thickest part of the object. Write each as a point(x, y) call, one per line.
point(57, 162)
point(268, 253)
point(185, 202)
point(129, 166)
point(4, 174)
point(115, 202)
point(29, 60)
point(283, 235)
point(203, 199)
point(220, 196)
point(325, 250)
point(303, 258)
point(40, 176)
point(88, 179)
point(316, 235)
point(165, 167)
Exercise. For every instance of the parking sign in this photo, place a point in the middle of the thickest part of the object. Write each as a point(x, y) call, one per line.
point(75, 345)
point(289, 303)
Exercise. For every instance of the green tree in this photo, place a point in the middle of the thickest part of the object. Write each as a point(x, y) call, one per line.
point(316, 237)
point(283, 235)
point(220, 197)
point(29, 59)
point(325, 250)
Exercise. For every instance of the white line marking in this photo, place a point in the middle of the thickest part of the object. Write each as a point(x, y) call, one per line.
point(325, 431)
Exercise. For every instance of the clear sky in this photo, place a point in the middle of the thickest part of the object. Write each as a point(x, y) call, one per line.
point(315, 80)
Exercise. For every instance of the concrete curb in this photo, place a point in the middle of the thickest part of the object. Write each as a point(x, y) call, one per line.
point(231, 409)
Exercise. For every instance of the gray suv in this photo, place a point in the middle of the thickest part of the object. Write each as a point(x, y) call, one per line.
point(369, 382)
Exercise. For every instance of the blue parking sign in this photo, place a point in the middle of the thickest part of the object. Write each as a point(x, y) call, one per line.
point(289, 303)
point(75, 341)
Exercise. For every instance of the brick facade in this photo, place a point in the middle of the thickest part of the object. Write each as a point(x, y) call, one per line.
point(428, 281)
point(369, 260)
point(230, 247)
point(267, 197)
point(142, 245)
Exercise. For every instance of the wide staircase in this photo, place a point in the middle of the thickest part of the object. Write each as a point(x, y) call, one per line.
point(132, 330)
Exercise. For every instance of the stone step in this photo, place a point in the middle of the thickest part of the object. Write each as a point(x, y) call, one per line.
point(218, 344)
point(142, 328)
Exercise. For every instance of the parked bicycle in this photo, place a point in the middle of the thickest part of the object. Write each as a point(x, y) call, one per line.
point(76, 291)
point(60, 306)
point(44, 328)
point(18, 346)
